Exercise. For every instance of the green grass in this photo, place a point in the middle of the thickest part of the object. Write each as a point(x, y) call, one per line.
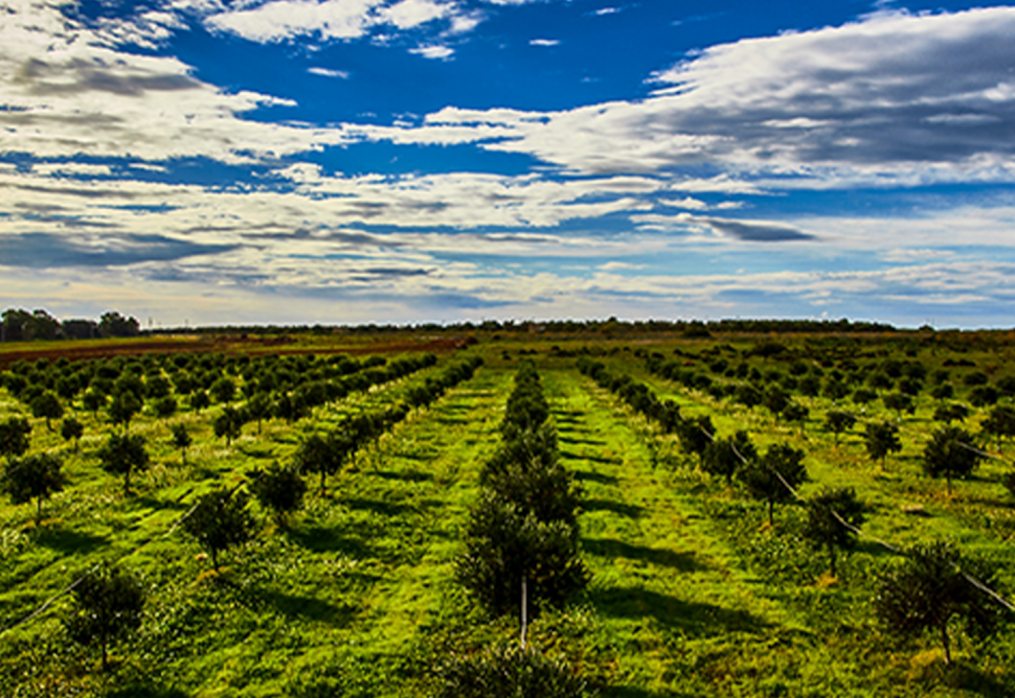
point(692, 592)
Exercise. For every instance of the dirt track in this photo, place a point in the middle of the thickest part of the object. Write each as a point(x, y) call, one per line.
point(227, 345)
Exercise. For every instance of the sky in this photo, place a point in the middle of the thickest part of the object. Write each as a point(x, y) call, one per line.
point(206, 162)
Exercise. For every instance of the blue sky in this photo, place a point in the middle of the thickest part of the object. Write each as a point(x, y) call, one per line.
point(406, 161)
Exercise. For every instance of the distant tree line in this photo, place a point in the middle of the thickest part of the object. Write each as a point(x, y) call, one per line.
point(19, 325)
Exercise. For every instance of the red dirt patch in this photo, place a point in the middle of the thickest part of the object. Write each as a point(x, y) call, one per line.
point(227, 345)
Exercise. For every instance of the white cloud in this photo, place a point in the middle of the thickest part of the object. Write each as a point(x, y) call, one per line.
point(891, 100)
point(340, 20)
point(329, 73)
point(433, 51)
point(544, 42)
point(284, 19)
point(412, 13)
point(620, 266)
point(67, 92)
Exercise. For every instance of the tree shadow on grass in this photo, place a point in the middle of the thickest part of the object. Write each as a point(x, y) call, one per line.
point(583, 442)
point(609, 547)
point(632, 510)
point(405, 475)
point(299, 607)
point(590, 476)
point(451, 420)
point(146, 691)
point(691, 618)
point(69, 541)
point(320, 539)
point(377, 507)
point(593, 458)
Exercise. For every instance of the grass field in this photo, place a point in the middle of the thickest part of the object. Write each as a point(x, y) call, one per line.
point(692, 592)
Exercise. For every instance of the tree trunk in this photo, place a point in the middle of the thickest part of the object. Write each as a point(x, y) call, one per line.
point(831, 556)
point(324, 474)
point(126, 482)
point(771, 504)
point(946, 643)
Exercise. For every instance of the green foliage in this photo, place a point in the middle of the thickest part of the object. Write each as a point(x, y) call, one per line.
point(37, 476)
point(165, 407)
point(47, 406)
point(122, 454)
point(323, 455)
point(220, 520)
point(880, 439)
point(725, 456)
point(280, 489)
point(954, 412)
point(838, 421)
point(503, 544)
point(71, 428)
point(123, 408)
point(828, 512)
point(772, 476)
point(224, 389)
point(930, 590)
point(1000, 422)
point(228, 424)
point(181, 439)
point(952, 453)
point(899, 402)
point(509, 672)
point(199, 400)
point(108, 605)
point(14, 436)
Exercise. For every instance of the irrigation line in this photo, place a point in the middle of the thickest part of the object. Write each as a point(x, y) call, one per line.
point(888, 546)
point(49, 602)
point(76, 582)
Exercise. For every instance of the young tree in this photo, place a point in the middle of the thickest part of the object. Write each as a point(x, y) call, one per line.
point(259, 408)
point(37, 476)
point(773, 476)
point(898, 402)
point(930, 590)
point(724, 457)
point(324, 454)
point(229, 424)
point(199, 400)
point(93, 400)
point(108, 605)
point(695, 434)
point(181, 440)
point(504, 545)
point(224, 389)
point(828, 514)
point(796, 412)
point(280, 489)
point(954, 412)
point(47, 406)
point(165, 407)
point(510, 672)
point(72, 429)
point(881, 438)
point(839, 421)
point(123, 408)
point(14, 433)
point(1000, 423)
point(951, 452)
point(775, 401)
point(219, 521)
point(122, 455)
